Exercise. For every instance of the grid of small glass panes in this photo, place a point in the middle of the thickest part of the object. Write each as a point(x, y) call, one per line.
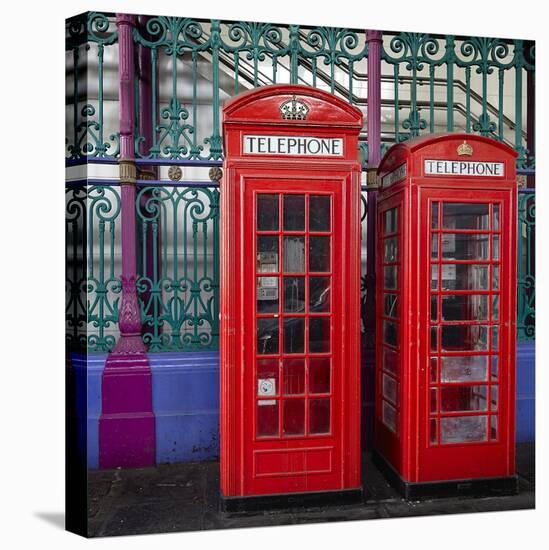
point(390, 319)
point(294, 315)
point(464, 322)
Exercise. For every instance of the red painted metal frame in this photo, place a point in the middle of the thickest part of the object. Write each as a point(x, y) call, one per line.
point(309, 462)
point(410, 451)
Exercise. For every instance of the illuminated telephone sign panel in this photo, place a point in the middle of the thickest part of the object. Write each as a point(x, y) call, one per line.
point(290, 294)
point(446, 315)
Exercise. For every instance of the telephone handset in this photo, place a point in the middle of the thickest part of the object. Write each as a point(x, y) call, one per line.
point(267, 287)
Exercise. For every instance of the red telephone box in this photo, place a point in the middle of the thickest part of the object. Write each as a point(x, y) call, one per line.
point(290, 291)
point(446, 315)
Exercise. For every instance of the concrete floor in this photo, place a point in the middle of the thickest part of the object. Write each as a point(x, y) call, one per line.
point(185, 497)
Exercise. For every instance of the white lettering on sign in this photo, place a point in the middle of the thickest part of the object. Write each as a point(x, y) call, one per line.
point(396, 175)
point(293, 146)
point(464, 168)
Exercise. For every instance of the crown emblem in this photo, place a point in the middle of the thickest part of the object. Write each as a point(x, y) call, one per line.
point(293, 109)
point(464, 149)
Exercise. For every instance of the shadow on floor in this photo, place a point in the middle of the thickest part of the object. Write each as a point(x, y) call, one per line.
point(57, 519)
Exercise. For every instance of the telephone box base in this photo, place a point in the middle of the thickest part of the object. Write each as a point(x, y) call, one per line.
point(291, 500)
point(477, 487)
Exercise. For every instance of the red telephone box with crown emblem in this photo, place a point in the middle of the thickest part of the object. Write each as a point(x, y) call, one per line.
point(290, 296)
point(446, 315)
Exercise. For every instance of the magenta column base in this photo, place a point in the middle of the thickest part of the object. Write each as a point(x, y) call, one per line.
point(127, 425)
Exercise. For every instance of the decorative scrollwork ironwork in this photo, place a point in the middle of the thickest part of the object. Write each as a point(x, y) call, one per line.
point(88, 120)
point(526, 278)
point(102, 283)
point(179, 283)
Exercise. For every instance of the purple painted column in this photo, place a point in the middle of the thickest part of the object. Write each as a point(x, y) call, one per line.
point(374, 40)
point(126, 425)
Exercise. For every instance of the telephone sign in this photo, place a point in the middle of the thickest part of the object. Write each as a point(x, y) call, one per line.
point(290, 270)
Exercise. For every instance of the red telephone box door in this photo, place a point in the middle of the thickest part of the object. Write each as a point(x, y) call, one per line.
point(460, 388)
point(294, 299)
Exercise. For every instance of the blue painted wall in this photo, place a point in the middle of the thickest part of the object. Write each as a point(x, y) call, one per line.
point(186, 403)
point(526, 397)
point(87, 371)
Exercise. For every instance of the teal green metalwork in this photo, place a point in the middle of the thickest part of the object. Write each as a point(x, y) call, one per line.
point(526, 277)
point(103, 282)
point(179, 283)
point(88, 120)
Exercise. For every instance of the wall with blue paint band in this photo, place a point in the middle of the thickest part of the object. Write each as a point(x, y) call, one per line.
point(186, 403)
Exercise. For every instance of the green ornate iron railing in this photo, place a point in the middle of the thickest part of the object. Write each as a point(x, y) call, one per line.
point(429, 84)
point(526, 316)
point(193, 61)
point(75, 266)
point(103, 284)
point(88, 38)
point(179, 267)
point(475, 74)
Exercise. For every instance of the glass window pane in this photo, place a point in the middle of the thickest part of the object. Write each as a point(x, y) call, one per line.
point(463, 429)
point(293, 374)
point(463, 398)
point(495, 217)
point(434, 215)
point(434, 370)
point(391, 361)
point(267, 377)
point(433, 436)
point(319, 212)
point(465, 246)
point(294, 416)
point(294, 334)
point(494, 398)
point(267, 336)
point(494, 367)
point(319, 334)
point(434, 276)
point(466, 215)
point(267, 254)
point(495, 247)
point(319, 416)
point(294, 294)
point(391, 305)
point(468, 368)
point(267, 212)
point(434, 341)
point(390, 388)
point(294, 212)
point(319, 254)
point(464, 277)
point(463, 307)
point(434, 394)
point(319, 375)
point(391, 248)
point(391, 221)
point(390, 333)
point(388, 416)
point(267, 294)
point(465, 338)
point(390, 278)
point(267, 417)
point(434, 307)
point(319, 294)
point(495, 277)
point(434, 246)
point(294, 254)
point(493, 427)
point(495, 307)
point(495, 338)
